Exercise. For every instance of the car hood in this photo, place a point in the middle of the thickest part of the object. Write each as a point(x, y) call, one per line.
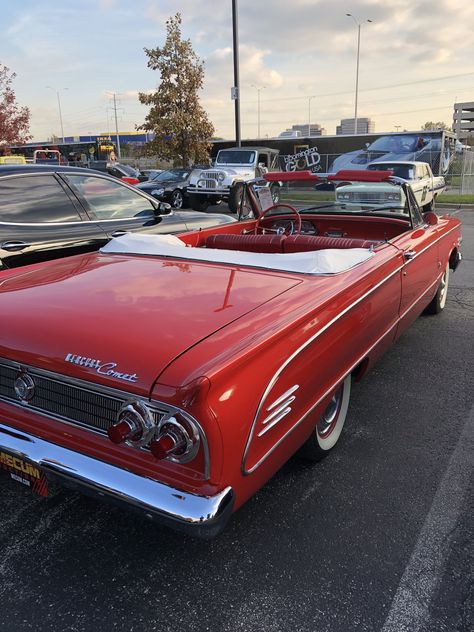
point(131, 315)
point(360, 159)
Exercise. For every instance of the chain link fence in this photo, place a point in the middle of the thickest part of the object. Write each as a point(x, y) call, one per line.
point(460, 178)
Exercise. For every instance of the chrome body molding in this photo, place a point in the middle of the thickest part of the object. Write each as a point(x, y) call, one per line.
point(120, 397)
point(202, 516)
point(280, 408)
point(310, 340)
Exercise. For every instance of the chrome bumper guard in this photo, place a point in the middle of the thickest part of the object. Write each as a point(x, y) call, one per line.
point(201, 516)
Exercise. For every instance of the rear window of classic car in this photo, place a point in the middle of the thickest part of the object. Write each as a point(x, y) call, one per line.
point(111, 200)
point(235, 157)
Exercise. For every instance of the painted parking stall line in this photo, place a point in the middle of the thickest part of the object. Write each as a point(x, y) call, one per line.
point(410, 608)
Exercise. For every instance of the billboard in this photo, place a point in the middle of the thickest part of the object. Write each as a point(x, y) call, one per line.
point(327, 154)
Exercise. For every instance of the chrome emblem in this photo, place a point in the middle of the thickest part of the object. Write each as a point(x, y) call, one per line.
point(24, 387)
point(102, 368)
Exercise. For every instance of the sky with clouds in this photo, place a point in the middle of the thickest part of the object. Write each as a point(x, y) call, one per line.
point(415, 61)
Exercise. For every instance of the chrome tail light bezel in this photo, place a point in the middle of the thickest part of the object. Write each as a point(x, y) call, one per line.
point(187, 429)
point(143, 419)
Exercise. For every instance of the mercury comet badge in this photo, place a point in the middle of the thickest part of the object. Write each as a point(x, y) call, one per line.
point(103, 368)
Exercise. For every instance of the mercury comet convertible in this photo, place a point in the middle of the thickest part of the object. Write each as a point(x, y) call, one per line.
point(176, 374)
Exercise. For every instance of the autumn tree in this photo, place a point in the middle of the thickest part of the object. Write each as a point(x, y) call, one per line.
point(14, 119)
point(430, 125)
point(181, 126)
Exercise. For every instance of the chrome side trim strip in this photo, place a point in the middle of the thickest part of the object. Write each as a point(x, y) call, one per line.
point(297, 352)
point(278, 410)
point(278, 401)
point(281, 414)
point(314, 337)
point(202, 516)
point(332, 387)
point(309, 411)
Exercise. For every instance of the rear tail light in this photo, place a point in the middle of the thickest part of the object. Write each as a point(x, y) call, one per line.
point(176, 438)
point(123, 430)
point(135, 425)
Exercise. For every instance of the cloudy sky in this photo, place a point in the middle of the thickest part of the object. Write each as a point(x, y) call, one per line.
point(416, 60)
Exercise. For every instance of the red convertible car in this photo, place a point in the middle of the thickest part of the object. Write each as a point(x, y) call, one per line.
point(176, 375)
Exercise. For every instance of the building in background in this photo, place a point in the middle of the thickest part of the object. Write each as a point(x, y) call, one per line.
point(347, 126)
point(314, 129)
point(463, 120)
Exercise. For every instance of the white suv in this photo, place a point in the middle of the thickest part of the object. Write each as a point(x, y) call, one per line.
point(225, 180)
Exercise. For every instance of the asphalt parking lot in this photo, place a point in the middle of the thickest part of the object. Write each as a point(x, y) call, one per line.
point(378, 537)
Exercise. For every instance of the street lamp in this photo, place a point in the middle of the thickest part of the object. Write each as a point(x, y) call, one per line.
point(59, 108)
point(309, 114)
point(236, 87)
point(359, 24)
point(258, 88)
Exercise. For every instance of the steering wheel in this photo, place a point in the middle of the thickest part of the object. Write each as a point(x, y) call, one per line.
point(297, 231)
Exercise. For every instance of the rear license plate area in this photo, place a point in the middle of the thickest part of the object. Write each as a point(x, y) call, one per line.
point(23, 472)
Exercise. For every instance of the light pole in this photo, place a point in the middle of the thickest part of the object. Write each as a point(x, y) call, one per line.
point(359, 24)
point(59, 108)
point(236, 87)
point(309, 114)
point(259, 89)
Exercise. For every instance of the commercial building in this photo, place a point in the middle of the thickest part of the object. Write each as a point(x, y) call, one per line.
point(463, 120)
point(347, 126)
point(314, 129)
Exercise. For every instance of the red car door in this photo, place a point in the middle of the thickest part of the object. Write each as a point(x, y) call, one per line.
point(421, 268)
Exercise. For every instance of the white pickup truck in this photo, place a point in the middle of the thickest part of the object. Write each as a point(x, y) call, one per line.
point(424, 184)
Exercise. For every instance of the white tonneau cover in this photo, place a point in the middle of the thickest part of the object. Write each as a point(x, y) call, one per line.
point(329, 261)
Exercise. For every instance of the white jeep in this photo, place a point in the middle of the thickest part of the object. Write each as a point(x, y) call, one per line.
point(225, 180)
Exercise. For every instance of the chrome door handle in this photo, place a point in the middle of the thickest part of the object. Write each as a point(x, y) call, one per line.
point(119, 233)
point(13, 246)
point(409, 254)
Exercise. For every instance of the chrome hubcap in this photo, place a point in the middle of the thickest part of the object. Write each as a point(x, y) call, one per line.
point(330, 415)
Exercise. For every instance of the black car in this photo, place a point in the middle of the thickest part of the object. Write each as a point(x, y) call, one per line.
point(47, 212)
point(118, 170)
point(169, 186)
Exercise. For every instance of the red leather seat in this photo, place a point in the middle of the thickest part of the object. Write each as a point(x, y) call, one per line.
point(302, 243)
point(250, 243)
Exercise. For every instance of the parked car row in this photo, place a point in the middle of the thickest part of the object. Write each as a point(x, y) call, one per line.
point(169, 186)
point(47, 212)
point(126, 173)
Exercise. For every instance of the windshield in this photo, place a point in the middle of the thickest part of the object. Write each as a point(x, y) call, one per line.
point(175, 175)
point(401, 171)
point(358, 198)
point(235, 157)
point(394, 144)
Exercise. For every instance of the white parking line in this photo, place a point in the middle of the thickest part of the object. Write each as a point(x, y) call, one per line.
point(411, 604)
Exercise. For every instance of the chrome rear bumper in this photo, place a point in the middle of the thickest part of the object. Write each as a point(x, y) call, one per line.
point(201, 516)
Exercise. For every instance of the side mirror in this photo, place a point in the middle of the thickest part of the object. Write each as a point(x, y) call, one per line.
point(430, 218)
point(163, 208)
